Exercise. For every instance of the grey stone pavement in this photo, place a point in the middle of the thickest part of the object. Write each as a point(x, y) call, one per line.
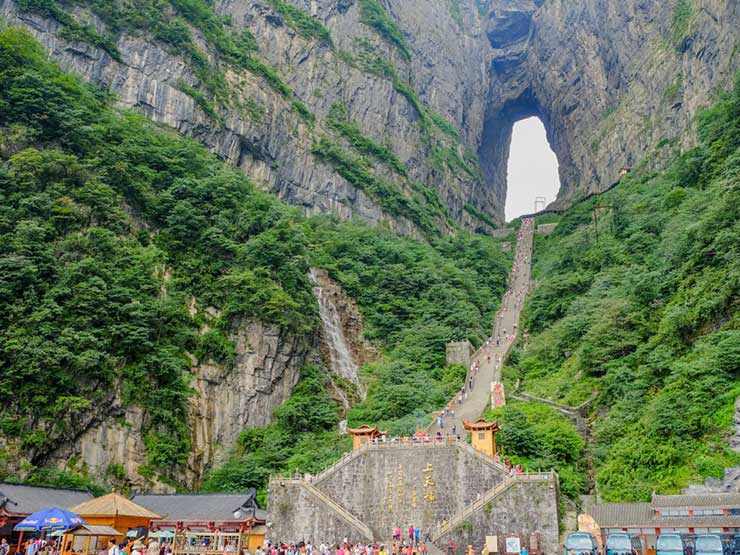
point(490, 356)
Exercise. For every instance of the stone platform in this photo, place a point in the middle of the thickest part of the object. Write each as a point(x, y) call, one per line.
point(458, 493)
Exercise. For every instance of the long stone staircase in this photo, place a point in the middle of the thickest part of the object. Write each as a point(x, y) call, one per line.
point(490, 356)
point(490, 497)
point(375, 480)
point(335, 507)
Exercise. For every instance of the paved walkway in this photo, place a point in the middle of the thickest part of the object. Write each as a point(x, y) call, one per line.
point(489, 357)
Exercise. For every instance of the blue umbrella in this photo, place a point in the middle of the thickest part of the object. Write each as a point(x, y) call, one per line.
point(48, 520)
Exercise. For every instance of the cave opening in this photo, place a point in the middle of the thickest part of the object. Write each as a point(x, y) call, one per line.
point(532, 178)
point(521, 156)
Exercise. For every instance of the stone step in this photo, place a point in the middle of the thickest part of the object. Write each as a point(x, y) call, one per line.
point(489, 497)
point(363, 528)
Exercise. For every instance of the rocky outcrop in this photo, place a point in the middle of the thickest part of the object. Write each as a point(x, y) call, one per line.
point(612, 82)
point(225, 400)
point(229, 399)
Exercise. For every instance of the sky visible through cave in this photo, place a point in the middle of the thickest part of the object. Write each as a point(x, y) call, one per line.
point(532, 168)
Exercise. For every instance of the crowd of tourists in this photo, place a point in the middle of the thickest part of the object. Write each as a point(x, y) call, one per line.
point(53, 546)
point(137, 547)
point(413, 545)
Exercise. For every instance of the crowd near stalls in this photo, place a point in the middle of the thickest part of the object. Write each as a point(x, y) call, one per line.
point(414, 545)
point(115, 525)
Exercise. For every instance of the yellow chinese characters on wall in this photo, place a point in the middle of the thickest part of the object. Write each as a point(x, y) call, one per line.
point(430, 493)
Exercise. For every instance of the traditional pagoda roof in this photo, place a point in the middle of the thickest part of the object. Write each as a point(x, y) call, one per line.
point(204, 506)
point(480, 425)
point(364, 430)
point(22, 500)
point(113, 505)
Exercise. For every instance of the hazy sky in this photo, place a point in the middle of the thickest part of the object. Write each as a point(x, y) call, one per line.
point(532, 169)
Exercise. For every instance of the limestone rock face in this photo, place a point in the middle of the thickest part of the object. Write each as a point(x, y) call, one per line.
point(228, 400)
point(615, 83)
point(225, 401)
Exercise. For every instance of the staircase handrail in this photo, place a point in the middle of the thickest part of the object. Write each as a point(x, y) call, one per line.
point(346, 459)
point(338, 509)
point(498, 465)
point(491, 494)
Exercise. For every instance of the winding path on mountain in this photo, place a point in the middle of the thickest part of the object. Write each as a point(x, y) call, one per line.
point(489, 358)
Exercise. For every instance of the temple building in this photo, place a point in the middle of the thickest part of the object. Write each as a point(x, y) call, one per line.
point(363, 435)
point(716, 513)
point(483, 435)
point(218, 519)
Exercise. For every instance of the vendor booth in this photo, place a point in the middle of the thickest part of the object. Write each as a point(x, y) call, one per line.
point(208, 524)
point(87, 539)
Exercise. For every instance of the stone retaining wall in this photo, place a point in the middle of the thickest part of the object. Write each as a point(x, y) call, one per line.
point(386, 487)
point(525, 509)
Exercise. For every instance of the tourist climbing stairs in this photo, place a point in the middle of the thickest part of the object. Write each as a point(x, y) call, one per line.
point(489, 358)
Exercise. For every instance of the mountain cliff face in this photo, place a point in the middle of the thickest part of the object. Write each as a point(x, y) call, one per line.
point(617, 84)
point(396, 112)
point(435, 86)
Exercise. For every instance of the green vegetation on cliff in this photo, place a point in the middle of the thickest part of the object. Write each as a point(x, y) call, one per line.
point(375, 16)
point(110, 227)
point(305, 25)
point(171, 22)
point(540, 438)
point(647, 315)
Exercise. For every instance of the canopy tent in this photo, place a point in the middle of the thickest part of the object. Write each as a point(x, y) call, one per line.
point(114, 505)
point(48, 520)
point(116, 511)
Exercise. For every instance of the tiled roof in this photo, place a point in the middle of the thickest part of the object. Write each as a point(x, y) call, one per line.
point(698, 521)
point(621, 515)
point(719, 500)
point(638, 515)
point(23, 500)
point(481, 425)
point(207, 506)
